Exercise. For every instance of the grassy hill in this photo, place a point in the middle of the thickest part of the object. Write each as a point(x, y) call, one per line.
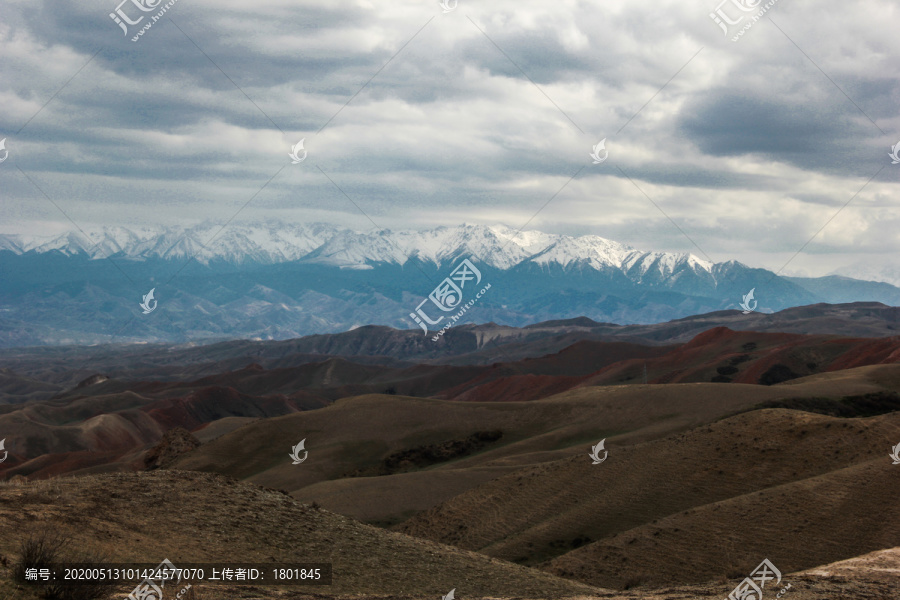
point(200, 517)
point(354, 436)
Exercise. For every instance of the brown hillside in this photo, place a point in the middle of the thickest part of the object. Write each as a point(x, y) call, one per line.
point(104, 432)
point(101, 422)
point(550, 509)
point(199, 517)
point(143, 517)
point(516, 388)
point(357, 434)
point(798, 525)
point(722, 355)
point(882, 564)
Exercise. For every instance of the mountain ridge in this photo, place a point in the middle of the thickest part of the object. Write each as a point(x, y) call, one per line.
point(272, 281)
point(323, 243)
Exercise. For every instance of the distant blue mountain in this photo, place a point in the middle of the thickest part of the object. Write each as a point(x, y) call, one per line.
point(273, 281)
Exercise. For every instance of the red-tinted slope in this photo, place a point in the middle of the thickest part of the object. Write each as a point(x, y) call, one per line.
point(534, 378)
point(518, 388)
point(212, 403)
point(116, 418)
point(723, 355)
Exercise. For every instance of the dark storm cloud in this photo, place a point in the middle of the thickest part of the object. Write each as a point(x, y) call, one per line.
point(435, 123)
point(820, 136)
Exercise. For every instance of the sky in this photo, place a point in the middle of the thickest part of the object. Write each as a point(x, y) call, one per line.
point(771, 148)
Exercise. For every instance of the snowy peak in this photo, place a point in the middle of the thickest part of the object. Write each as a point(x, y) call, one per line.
point(495, 246)
point(357, 250)
point(265, 242)
point(647, 267)
point(597, 252)
point(271, 242)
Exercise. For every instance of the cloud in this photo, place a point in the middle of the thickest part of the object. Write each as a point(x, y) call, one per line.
point(482, 115)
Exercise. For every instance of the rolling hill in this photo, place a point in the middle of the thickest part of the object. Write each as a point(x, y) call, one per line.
point(198, 517)
point(40, 372)
point(190, 517)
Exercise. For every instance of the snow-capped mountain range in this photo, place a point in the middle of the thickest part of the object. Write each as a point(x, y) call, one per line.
point(271, 280)
point(268, 243)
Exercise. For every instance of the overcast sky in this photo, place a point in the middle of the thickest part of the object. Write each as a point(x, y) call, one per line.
point(483, 114)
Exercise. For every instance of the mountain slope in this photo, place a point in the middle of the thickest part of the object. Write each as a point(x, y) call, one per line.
point(194, 517)
point(356, 443)
point(543, 511)
point(796, 525)
point(198, 517)
point(276, 281)
point(40, 372)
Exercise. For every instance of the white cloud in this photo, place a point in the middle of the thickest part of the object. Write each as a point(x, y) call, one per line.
point(749, 149)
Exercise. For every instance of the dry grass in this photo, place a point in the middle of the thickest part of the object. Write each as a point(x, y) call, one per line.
point(212, 519)
point(805, 488)
point(359, 433)
point(199, 517)
point(42, 491)
point(43, 548)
